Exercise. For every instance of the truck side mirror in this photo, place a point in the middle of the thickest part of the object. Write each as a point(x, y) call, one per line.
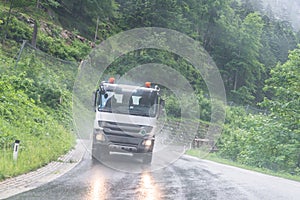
point(95, 95)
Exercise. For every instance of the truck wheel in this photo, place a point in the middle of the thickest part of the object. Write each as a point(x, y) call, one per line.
point(147, 158)
point(100, 153)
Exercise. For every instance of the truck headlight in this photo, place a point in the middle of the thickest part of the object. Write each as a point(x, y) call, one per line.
point(99, 135)
point(147, 142)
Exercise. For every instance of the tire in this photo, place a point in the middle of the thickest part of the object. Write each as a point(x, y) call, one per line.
point(100, 153)
point(147, 158)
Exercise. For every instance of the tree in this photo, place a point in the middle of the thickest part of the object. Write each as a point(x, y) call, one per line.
point(284, 84)
point(82, 15)
point(159, 13)
point(203, 16)
point(244, 68)
point(284, 40)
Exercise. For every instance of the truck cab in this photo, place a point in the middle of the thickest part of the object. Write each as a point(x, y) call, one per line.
point(126, 120)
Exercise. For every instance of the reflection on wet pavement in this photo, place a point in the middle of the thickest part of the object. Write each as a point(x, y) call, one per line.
point(187, 178)
point(98, 187)
point(147, 188)
point(106, 183)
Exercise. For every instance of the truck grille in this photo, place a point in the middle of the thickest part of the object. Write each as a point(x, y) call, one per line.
point(123, 133)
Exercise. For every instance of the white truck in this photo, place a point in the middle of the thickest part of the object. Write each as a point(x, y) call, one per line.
point(126, 120)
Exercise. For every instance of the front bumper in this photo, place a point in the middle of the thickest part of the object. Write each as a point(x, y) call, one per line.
point(125, 144)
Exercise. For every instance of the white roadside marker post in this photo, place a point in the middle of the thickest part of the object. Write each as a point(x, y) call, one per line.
point(16, 150)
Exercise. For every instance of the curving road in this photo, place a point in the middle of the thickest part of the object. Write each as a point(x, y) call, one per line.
point(186, 178)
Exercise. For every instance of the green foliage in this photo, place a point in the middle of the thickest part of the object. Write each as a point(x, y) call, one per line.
point(271, 141)
point(205, 107)
point(35, 106)
point(284, 85)
point(31, 112)
point(83, 15)
point(59, 47)
point(172, 106)
point(245, 65)
point(160, 13)
point(245, 43)
point(50, 3)
point(49, 87)
point(21, 113)
point(22, 3)
point(19, 31)
point(175, 106)
point(260, 141)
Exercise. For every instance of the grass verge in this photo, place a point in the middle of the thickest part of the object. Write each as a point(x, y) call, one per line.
point(34, 153)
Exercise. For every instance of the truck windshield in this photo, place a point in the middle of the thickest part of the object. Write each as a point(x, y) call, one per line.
point(141, 103)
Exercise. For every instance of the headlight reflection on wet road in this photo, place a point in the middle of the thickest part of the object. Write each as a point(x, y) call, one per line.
point(98, 187)
point(147, 188)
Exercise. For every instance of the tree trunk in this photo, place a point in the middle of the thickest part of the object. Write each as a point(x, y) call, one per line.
point(7, 21)
point(235, 80)
point(34, 35)
point(96, 32)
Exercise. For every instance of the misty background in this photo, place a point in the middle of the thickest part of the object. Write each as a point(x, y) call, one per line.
point(288, 10)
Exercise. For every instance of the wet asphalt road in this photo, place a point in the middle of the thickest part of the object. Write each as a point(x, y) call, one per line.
point(186, 178)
